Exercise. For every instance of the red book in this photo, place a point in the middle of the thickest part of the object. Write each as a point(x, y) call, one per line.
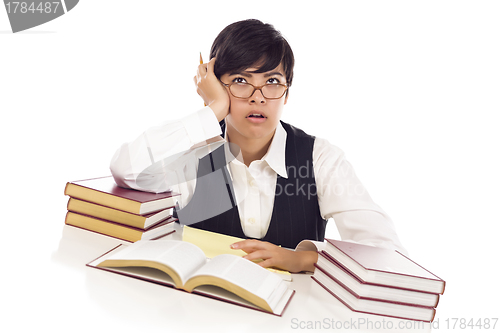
point(104, 191)
point(145, 221)
point(120, 231)
point(384, 267)
point(184, 266)
point(363, 290)
point(389, 309)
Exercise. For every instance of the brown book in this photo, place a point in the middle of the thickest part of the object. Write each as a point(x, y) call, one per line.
point(384, 267)
point(184, 266)
point(389, 309)
point(114, 215)
point(120, 231)
point(104, 191)
point(363, 290)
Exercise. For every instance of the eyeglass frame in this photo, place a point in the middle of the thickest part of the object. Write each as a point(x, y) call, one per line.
point(256, 88)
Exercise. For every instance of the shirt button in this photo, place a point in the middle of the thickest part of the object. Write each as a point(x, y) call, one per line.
point(251, 220)
point(252, 182)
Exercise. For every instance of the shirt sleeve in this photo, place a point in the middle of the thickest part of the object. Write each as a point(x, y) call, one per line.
point(146, 157)
point(343, 197)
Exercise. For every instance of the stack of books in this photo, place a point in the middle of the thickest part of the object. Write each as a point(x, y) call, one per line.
point(99, 205)
point(378, 281)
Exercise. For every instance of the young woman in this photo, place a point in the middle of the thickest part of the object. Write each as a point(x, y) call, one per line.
point(283, 185)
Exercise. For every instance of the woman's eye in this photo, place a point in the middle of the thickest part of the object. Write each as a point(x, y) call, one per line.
point(239, 80)
point(273, 81)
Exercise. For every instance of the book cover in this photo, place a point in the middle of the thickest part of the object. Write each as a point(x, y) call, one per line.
point(362, 290)
point(383, 266)
point(120, 231)
point(388, 309)
point(104, 191)
point(114, 215)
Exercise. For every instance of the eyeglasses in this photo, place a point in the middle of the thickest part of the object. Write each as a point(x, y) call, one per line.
point(245, 90)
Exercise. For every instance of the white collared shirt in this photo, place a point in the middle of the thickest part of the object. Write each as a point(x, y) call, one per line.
point(255, 186)
point(341, 195)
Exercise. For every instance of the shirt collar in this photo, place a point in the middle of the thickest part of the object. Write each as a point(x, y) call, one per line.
point(275, 156)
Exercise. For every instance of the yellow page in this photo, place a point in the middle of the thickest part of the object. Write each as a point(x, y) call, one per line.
point(213, 244)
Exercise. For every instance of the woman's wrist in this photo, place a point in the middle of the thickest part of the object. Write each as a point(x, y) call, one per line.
point(306, 260)
point(220, 109)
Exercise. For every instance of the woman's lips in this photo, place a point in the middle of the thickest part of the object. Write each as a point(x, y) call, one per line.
point(256, 117)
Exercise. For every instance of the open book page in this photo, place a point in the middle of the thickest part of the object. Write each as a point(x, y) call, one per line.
point(273, 294)
point(182, 257)
point(247, 275)
point(214, 244)
point(227, 296)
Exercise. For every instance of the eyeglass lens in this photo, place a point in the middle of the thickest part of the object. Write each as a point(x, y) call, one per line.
point(245, 90)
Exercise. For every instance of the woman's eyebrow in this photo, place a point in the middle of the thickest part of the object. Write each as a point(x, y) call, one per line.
point(273, 74)
point(246, 74)
point(249, 74)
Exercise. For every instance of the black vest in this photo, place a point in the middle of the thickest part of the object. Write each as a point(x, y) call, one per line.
point(296, 215)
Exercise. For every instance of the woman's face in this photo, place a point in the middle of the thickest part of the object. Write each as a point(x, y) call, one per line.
point(255, 117)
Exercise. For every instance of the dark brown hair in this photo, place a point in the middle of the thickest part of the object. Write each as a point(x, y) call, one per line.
point(251, 43)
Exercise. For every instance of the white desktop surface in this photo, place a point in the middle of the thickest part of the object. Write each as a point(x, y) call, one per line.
point(46, 284)
point(103, 298)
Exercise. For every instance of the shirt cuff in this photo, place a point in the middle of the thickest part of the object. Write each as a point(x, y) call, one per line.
point(309, 245)
point(202, 125)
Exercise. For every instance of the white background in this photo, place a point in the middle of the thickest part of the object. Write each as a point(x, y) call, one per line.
point(408, 89)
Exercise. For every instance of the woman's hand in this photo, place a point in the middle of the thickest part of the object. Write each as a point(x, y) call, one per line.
point(214, 94)
point(275, 256)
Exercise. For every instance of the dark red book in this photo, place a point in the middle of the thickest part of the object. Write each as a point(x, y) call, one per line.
point(120, 231)
point(144, 222)
point(363, 290)
point(384, 267)
point(105, 192)
point(184, 266)
point(389, 309)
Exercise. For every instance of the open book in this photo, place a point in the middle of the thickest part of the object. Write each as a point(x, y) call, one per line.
point(214, 244)
point(185, 266)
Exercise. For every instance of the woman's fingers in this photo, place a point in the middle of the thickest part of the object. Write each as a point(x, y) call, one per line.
point(278, 257)
point(209, 87)
point(250, 245)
